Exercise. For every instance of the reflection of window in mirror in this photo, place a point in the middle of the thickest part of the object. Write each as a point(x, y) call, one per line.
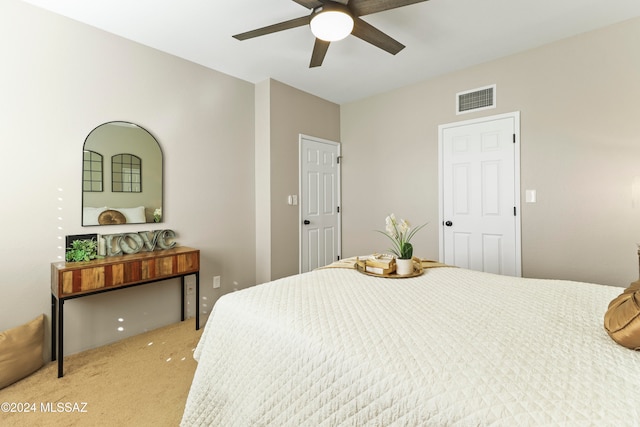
point(92, 171)
point(126, 175)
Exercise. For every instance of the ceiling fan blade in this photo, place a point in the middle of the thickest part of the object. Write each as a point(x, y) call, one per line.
point(309, 4)
point(371, 34)
point(367, 7)
point(319, 51)
point(286, 25)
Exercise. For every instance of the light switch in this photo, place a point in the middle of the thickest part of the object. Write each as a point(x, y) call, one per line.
point(530, 196)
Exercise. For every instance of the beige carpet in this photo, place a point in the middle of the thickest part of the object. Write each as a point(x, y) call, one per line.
point(139, 381)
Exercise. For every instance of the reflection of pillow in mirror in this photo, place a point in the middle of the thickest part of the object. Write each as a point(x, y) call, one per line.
point(111, 216)
point(133, 215)
point(90, 215)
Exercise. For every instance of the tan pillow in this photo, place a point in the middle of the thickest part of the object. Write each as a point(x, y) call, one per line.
point(622, 319)
point(21, 351)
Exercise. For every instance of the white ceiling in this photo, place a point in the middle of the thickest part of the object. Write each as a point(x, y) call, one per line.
point(441, 36)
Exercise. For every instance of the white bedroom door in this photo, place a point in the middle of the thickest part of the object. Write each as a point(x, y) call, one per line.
point(480, 194)
point(320, 241)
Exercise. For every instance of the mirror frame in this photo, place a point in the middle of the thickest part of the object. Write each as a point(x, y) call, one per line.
point(152, 175)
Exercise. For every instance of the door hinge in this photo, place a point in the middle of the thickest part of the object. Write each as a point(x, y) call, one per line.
point(338, 258)
point(514, 211)
point(338, 208)
point(338, 159)
point(514, 138)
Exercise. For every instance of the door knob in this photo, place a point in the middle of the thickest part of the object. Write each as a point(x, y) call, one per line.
point(306, 222)
point(448, 223)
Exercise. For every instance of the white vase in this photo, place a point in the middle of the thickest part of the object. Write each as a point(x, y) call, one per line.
point(404, 267)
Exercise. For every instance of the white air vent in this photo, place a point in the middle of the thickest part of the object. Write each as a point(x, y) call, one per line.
point(476, 99)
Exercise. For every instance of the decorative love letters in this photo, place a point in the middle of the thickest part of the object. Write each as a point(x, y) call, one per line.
point(132, 243)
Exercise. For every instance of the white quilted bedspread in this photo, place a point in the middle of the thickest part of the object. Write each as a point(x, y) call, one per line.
point(452, 347)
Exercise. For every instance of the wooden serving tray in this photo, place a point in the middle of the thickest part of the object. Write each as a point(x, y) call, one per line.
point(417, 271)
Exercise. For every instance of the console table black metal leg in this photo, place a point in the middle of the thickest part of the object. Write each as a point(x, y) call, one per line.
point(60, 337)
point(182, 299)
point(53, 327)
point(197, 300)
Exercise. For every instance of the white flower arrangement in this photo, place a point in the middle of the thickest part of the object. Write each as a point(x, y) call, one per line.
point(400, 233)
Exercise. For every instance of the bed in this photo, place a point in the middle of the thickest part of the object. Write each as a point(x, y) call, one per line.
point(452, 347)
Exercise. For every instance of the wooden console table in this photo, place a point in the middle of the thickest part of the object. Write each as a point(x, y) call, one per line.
point(78, 279)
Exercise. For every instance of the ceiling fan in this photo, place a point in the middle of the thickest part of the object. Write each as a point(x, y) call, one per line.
point(347, 12)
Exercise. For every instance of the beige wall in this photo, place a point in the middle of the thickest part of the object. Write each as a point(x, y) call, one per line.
point(580, 150)
point(263, 180)
point(290, 113)
point(60, 79)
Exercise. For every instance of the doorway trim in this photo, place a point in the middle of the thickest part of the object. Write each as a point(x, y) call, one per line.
point(515, 115)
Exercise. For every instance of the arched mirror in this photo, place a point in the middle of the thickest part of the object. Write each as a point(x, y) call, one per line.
point(121, 176)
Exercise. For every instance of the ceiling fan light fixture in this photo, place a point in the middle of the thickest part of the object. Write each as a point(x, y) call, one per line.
point(331, 23)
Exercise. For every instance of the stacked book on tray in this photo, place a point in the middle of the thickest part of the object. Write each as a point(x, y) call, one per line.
point(379, 264)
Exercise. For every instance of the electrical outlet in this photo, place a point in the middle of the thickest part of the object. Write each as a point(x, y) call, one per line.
point(190, 285)
point(216, 282)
